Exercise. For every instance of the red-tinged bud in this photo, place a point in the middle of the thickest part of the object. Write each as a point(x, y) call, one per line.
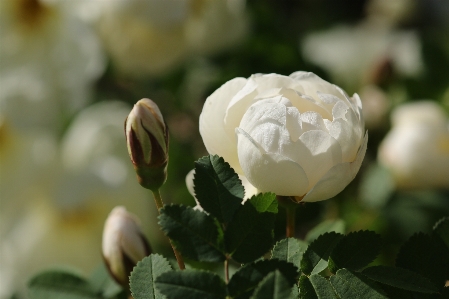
point(147, 140)
point(124, 244)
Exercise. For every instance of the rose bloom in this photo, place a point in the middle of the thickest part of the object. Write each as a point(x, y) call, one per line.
point(294, 135)
point(416, 150)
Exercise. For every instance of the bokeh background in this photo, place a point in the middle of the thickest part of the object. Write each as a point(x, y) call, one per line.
point(70, 71)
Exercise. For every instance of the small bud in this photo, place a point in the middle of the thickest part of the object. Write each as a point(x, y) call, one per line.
point(147, 140)
point(123, 244)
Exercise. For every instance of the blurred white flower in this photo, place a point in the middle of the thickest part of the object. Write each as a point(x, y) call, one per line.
point(92, 175)
point(48, 62)
point(153, 37)
point(124, 244)
point(416, 150)
point(297, 135)
point(390, 13)
point(353, 54)
point(375, 106)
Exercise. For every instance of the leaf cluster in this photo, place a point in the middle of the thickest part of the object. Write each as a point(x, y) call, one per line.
point(230, 229)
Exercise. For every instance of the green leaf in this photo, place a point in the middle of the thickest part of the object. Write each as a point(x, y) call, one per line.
point(426, 256)
point(322, 287)
point(349, 285)
point(441, 229)
point(197, 235)
point(265, 202)
point(217, 187)
point(191, 284)
point(142, 279)
point(103, 283)
point(243, 282)
point(306, 290)
point(315, 258)
point(60, 284)
point(327, 226)
point(294, 292)
point(273, 286)
point(289, 250)
point(355, 251)
point(400, 278)
point(250, 234)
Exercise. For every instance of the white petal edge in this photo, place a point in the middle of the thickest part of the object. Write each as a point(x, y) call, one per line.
point(337, 178)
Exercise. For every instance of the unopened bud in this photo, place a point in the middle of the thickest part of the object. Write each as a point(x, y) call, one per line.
point(123, 244)
point(147, 140)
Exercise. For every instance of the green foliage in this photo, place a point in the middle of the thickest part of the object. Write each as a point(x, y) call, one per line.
point(441, 229)
point(250, 232)
point(427, 256)
point(273, 286)
point(400, 278)
point(142, 279)
point(315, 258)
point(350, 285)
point(265, 202)
point(61, 284)
point(327, 226)
point(197, 235)
point(103, 284)
point(289, 250)
point(243, 282)
point(355, 251)
point(306, 290)
point(322, 287)
point(217, 187)
point(191, 284)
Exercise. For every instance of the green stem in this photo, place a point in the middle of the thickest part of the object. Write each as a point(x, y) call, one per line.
point(291, 217)
point(226, 270)
point(159, 205)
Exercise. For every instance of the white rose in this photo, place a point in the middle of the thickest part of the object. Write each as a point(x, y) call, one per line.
point(416, 150)
point(297, 135)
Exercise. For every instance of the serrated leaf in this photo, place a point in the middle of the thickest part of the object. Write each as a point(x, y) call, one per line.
point(355, 251)
point(289, 250)
point(60, 284)
point(441, 229)
point(426, 256)
point(197, 235)
point(294, 293)
point(273, 286)
point(306, 290)
point(191, 284)
point(250, 234)
point(315, 258)
point(327, 226)
point(142, 279)
point(243, 282)
point(322, 287)
point(217, 187)
point(265, 202)
point(349, 285)
point(400, 278)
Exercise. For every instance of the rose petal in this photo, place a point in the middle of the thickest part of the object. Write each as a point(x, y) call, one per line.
point(270, 172)
point(212, 127)
point(337, 178)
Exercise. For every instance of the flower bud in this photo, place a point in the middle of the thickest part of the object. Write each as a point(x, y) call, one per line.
point(123, 244)
point(147, 140)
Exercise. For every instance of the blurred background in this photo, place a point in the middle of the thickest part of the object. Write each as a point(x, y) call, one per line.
point(70, 71)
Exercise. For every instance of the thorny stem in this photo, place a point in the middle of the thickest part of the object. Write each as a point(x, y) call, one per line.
point(159, 205)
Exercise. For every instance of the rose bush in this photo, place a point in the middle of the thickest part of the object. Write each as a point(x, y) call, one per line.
point(297, 135)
